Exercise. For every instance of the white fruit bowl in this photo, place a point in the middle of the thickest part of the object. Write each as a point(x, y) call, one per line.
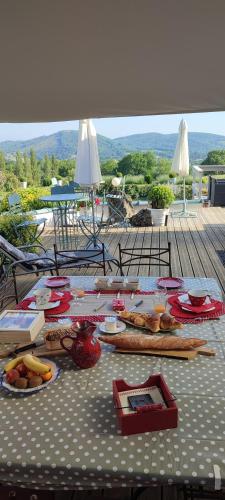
point(10, 388)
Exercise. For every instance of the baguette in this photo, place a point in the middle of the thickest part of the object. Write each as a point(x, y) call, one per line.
point(167, 342)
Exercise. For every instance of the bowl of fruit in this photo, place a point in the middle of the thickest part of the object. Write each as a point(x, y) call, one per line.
point(27, 374)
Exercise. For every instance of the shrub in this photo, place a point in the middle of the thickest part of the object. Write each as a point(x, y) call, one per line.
point(162, 179)
point(29, 199)
point(134, 179)
point(148, 178)
point(180, 193)
point(161, 196)
point(188, 180)
point(8, 225)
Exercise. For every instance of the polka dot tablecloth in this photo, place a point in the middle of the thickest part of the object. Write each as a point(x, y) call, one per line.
point(66, 437)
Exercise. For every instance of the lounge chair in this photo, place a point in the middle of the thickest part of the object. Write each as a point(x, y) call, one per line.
point(24, 262)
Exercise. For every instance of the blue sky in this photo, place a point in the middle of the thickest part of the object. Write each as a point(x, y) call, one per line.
point(118, 127)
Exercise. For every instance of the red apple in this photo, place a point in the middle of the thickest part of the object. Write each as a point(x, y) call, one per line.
point(22, 369)
point(12, 376)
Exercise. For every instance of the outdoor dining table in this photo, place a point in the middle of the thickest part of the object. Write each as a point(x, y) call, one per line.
point(64, 215)
point(66, 436)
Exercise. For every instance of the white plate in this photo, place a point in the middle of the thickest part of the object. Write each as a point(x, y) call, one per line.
point(184, 299)
point(50, 305)
point(120, 328)
point(11, 388)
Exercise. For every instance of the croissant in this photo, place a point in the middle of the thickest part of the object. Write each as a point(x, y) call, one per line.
point(139, 342)
point(153, 323)
point(168, 322)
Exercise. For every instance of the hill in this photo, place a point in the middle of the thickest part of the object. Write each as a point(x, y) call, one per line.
point(63, 145)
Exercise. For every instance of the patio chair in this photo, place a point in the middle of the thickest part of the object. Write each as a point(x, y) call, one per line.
point(95, 258)
point(152, 256)
point(6, 287)
point(35, 227)
point(24, 262)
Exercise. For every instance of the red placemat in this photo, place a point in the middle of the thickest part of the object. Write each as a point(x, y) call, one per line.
point(63, 307)
point(190, 317)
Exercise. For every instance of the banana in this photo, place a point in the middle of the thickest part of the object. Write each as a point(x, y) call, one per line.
point(13, 363)
point(35, 364)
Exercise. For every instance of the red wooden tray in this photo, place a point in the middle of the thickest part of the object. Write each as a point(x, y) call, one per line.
point(150, 420)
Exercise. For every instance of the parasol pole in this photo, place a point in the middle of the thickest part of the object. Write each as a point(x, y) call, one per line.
point(94, 238)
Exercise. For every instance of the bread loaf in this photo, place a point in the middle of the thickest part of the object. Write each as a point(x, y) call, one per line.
point(166, 342)
point(53, 336)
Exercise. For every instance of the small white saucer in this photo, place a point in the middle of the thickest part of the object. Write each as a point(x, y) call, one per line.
point(50, 305)
point(120, 328)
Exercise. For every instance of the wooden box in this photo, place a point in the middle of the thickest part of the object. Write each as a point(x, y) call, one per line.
point(148, 419)
point(20, 326)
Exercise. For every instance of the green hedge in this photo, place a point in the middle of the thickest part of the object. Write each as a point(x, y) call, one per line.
point(29, 199)
point(7, 229)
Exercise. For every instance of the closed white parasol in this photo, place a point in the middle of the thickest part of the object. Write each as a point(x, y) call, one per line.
point(180, 164)
point(88, 172)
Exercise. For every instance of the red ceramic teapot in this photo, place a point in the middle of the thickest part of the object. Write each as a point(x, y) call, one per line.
point(85, 349)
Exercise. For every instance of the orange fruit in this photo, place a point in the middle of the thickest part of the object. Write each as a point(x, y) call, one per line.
point(159, 308)
point(30, 374)
point(46, 376)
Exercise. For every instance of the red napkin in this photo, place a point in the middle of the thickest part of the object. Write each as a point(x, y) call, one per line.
point(193, 317)
point(63, 307)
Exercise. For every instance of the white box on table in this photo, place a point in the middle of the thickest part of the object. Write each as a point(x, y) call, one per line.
point(18, 326)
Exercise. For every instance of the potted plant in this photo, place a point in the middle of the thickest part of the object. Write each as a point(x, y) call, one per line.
point(161, 198)
point(23, 182)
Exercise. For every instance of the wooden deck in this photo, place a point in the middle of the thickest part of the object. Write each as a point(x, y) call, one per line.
point(194, 244)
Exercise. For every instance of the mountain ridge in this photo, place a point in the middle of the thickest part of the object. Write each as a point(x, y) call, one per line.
point(63, 145)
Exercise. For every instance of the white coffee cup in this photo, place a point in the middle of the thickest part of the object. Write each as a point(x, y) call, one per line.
point(111, 324)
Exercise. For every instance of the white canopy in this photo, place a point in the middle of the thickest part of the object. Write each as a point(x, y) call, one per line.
point(180, 163)
point(88, 171)
point(71, 59)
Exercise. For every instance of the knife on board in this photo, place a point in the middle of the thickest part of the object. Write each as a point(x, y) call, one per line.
point(17, 350)
point(136, 305)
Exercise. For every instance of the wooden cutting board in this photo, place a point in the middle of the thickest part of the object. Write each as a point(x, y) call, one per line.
point(191, 354)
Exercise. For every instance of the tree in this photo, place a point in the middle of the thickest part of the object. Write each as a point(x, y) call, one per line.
point(27, 169)
point(109, 167)
point(54, 166)
point(162, 167)
point(8, 182)
point(19, 167)
point(2, 162)
point(35, 169)
point(47, 167)
point(137, 163)
point(215, 158)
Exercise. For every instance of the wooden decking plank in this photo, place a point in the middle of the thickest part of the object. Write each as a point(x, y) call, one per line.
point(218, 270)
point(175, 257)
point(195, 261)
point(163, 238)
point(200, 249)
point(147, 243)
point(186, 268)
